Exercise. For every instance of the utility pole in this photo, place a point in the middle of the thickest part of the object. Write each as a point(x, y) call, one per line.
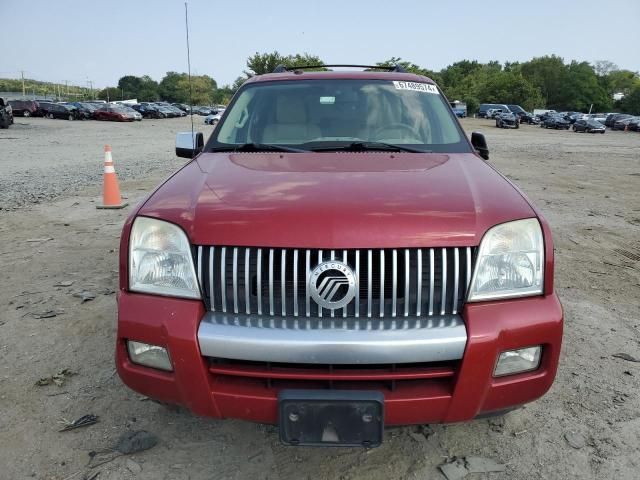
point(90, 82)
point(22, 75)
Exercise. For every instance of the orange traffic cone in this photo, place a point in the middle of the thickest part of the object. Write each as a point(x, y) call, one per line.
point(110, 190)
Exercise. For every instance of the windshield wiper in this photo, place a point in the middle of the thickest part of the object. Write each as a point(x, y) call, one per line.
point(257, 147)
point(368, 147)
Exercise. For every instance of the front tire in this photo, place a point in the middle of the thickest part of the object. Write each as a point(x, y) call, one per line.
point(26, 113)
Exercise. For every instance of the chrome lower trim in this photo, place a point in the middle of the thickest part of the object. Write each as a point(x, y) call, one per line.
point(359, 341)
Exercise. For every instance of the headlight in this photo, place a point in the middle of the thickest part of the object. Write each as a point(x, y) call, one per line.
point(510, 262)
point(160, 260)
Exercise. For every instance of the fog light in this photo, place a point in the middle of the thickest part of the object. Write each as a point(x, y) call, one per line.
point(149, 355)
point(518, 361)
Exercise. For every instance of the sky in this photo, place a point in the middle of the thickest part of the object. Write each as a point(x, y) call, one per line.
point(100, 41)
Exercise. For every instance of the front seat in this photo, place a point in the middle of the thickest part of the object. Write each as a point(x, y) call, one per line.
point(291, 125)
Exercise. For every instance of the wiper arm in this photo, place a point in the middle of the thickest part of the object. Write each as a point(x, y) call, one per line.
point(370, 146)
point(257, 147)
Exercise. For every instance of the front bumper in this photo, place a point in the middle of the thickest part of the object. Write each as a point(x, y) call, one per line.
point(491, 328)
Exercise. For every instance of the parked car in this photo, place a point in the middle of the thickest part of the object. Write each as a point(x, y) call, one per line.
point(556, 121)
point(492, 112)
point(517, 109)
point(85, 111)
point(484, 107)
point(149, 110)
point(507, 120)
point(612, 118)
point(623, 122)
point(115, 113)
point(181, 106)
point(213, 119)
point(168, 107)
point(24, 108)
point(61, 111)
point(204, 111)
point(460, 112)
point(529, 118)
point(634, 125)
point(282, 277)
point(598, 117)
point(6, 113)
point(588, 126)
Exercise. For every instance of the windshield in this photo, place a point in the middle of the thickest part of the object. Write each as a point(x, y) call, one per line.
point(320, 114)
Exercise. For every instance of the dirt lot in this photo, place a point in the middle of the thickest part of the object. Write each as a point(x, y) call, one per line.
point(588, 426)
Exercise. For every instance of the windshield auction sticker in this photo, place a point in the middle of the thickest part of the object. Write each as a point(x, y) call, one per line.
point(416, 87)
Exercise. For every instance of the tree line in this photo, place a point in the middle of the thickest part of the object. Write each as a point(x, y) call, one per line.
point(542, 82)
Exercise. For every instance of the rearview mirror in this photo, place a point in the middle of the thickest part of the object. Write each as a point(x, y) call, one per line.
point(480, 144)
point(189, 144)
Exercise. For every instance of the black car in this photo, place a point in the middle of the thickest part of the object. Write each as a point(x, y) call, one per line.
point(60, 110)
point(85, 110)
point(6, 113)
point(24, 108)
point(507, 120)
point(622, 122)
point(634, 125)
point(556, 121)
point(613, 117)
point(529, 118)
point(517, 109)
point(484, 107)
point(588, 126)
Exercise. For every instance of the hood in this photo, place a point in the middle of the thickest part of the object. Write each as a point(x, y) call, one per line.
point(337, 200)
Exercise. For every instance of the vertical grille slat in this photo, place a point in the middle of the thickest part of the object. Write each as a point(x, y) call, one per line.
point(357, 304)
point(307, 276)
point(283, 281)
point(394, 281)
point(431, 279)
point(212, 298)
point(319, 262)
point(223, 278)
point(259, 280)
point(235, 280)
point(271, 310)
point(382, 283)
point(456, 278)
point(295, 283)
point(407, 282)
point(200, 269)
point(369, 282)
point(407, 293)
point(419, 287)
point(443, 295)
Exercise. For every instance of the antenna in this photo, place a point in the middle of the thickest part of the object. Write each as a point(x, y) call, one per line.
point(186, 22)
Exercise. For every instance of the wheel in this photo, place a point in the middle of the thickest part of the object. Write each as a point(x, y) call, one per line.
point(70, 117)
point(26, 113)
point(517, 125)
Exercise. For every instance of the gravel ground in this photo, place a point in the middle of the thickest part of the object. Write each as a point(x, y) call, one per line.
point(43, 159)
point(587, 426)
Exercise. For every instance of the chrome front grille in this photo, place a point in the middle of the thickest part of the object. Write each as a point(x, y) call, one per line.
point(274, 282)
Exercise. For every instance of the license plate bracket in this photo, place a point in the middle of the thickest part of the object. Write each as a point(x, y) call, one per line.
point(341, 418)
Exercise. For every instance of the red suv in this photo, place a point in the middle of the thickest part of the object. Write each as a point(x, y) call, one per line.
point(338, 257)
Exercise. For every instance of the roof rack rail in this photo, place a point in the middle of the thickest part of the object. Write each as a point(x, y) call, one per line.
point(390, 68)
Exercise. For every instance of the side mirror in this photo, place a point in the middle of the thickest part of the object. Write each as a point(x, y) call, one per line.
point(480, 144)
point(189, 144)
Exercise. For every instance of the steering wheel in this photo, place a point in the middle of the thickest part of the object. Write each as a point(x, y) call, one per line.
point(397, 126)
